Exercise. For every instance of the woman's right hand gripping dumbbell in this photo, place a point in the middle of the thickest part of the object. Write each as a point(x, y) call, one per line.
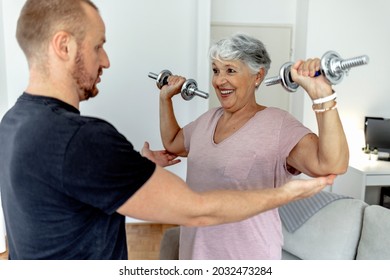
point(173, 87)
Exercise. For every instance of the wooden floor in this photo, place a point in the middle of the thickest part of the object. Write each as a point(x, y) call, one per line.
point(4, 256)
point(143, 241)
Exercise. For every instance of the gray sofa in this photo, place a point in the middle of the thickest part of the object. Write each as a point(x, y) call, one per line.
point(343, 229)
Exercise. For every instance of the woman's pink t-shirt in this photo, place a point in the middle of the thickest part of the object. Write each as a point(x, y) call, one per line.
point(254, 157)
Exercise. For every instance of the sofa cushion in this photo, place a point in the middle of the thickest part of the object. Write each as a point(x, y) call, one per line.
point(331, 233)
point(288, 256)
point(296, 213)
point(375, 242)
point(169, 246)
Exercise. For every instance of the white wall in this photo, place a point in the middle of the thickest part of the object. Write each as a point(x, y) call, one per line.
point(3, 107)
point(353, 28)
point(3, 80)
point(300, 42)
point(15, 62)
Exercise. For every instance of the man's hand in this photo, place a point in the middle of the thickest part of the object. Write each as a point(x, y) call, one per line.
point(304, 188)
point(162, 157)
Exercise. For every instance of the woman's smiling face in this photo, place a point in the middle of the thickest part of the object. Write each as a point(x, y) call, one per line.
point(234, 84)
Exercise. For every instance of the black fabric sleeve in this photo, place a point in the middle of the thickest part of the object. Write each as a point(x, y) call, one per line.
point(101, 167)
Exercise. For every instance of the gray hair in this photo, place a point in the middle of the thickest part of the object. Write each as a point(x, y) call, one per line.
point(247, 49)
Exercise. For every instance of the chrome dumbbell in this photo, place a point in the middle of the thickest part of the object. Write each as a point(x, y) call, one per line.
point(161, 78)
point(332, 66)
point(188, 90)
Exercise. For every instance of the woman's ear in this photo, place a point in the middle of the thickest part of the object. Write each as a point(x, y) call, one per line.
point(260, 76)
point(63, 45)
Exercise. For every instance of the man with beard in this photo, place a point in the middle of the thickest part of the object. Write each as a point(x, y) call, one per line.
point(68, 181)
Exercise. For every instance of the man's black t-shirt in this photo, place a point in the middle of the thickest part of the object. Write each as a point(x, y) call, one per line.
point(62, 178)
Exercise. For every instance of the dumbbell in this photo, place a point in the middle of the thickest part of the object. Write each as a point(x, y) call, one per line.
point(188, 90)
point(332, 66)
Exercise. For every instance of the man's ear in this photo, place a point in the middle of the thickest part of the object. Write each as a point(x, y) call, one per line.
point(64, 45)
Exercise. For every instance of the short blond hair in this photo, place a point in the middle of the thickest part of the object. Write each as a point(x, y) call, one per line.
point(39, 20)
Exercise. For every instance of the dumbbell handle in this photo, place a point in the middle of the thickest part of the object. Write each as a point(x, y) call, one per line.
point(161, 79)
point(274, 80)
point(152, 75)
point(188, 90)
point(332, 66)
point(284, 78)
point(346, 64)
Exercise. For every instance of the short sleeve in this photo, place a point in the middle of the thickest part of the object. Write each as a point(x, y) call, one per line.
point(187, 132)
point(101, 167)
point(292, 131)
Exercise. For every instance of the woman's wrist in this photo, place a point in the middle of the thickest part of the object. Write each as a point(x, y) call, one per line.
point(325, 99)
point(165, 99)
point(325, 107)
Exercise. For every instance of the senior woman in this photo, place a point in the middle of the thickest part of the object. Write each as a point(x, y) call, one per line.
point(244, 145)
